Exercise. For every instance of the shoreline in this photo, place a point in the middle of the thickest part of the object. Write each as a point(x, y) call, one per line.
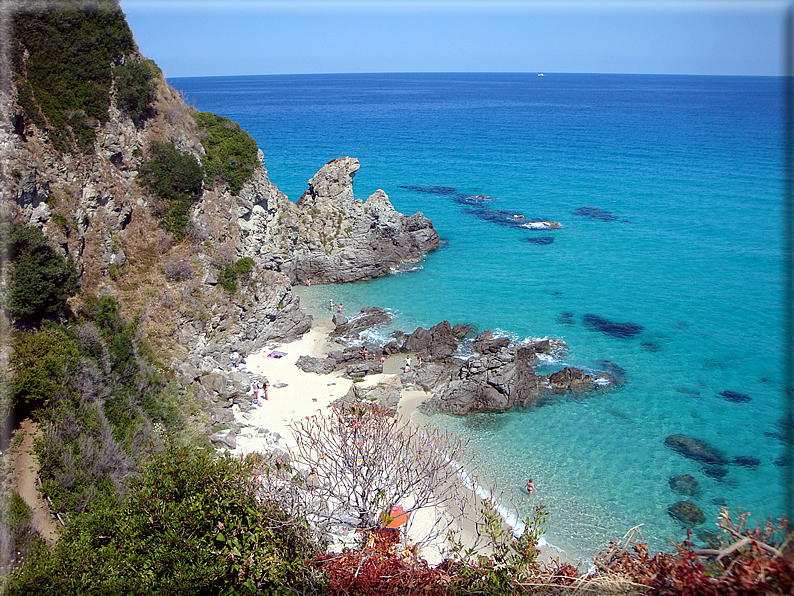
point(295, 394)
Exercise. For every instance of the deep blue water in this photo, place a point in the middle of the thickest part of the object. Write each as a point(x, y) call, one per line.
point(688, 167)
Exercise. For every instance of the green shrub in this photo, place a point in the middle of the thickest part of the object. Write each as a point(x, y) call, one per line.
point(191, 524)
point(42, 362)
point(176, 179)
point(227, 278)
point(41, 280)
point(61, 58)
point(134, 83)
point(231, 151)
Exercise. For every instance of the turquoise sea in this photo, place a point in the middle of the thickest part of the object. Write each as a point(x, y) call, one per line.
point(685, 173)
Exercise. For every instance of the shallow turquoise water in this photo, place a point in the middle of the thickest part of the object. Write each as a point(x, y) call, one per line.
point(690, 168)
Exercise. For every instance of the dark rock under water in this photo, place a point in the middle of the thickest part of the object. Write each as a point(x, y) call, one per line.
point(540, 240)
point(620, 330)
point(696, 449)
point(687, 513)
point(685, 484)
point(594, 213)
point(566, 318)
point(747, 461)
point(735, 396)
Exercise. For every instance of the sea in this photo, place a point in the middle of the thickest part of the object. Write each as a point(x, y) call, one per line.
point(666, 269)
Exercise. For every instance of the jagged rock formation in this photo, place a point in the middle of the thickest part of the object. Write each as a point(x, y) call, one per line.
point(328, 235)
point(94, 210)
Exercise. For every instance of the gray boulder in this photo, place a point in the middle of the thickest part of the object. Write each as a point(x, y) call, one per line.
point(368, 317)
point(571, 379)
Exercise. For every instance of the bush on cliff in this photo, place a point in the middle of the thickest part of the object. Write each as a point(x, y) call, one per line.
point(176, 180)
point(191, 524)
point(231, 151)
point(228, 276)
point(41, 280)
point(134, 82)
point(62, 56)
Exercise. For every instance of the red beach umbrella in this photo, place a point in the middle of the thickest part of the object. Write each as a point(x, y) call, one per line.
point(396, 518)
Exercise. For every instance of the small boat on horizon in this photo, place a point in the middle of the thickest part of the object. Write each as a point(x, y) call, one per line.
point(540, 74)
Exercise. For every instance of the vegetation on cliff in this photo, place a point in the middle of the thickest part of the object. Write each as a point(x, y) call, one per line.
point(63, 59)
point(174, 178)
point(231, 151)
point(40, 279)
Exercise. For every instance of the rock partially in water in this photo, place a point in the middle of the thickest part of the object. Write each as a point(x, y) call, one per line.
point(686, 512)
point(619, 330)
point(696, 449)
point(571, 379)
point(485, 343)
point(594, 213)
point(685, 484)
point(747, 461)
point(540, 240)
point(352, 327)
point(735, 396)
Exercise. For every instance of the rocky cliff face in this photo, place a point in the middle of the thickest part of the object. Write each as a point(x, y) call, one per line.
point(328, 236)
point(93, 210)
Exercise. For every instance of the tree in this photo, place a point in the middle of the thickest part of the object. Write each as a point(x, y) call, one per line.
point(41, 280)
point(359, 465)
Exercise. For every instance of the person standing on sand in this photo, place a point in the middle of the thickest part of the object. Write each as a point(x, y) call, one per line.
point(255, 389)
point(419, 361)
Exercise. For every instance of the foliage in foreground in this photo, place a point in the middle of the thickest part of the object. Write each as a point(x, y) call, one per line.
point(191, 524)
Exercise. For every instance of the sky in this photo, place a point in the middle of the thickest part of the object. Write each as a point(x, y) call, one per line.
point(257, 37)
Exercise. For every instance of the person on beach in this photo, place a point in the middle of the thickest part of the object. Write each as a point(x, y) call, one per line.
point(331, 302)
point(407, 364)
point(339, 308)
point(265, 386)
point(255, 389)
point(530, 487)
point(235, 356)
point(308, 283)
point(419, 361)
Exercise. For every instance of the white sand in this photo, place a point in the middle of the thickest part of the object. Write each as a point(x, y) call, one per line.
point(304, 394)
point(301, 395)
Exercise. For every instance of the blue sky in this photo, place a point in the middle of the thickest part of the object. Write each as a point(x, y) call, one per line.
point(233, 37)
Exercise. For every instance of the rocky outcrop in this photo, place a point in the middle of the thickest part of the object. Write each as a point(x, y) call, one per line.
point(436, 344)
point(329, 235)
point(384, 393)
point(367, 318)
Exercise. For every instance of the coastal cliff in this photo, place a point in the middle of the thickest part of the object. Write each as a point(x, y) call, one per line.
point(83, 184)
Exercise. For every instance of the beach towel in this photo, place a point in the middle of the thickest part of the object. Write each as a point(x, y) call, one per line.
point(276, 354)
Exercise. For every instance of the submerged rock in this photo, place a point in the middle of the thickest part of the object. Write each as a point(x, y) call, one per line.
point(685, 484)
point(716, 471)
point(594, 213)
point(540, 239)
point(747, 461)
point(620, 330)
point(734, 396)
point(696, 449)
point(686, 512)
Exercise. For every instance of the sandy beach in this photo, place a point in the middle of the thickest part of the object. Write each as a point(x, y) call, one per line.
point(294, 394)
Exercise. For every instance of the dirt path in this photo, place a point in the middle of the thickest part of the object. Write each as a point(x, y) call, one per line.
point(24, 467)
